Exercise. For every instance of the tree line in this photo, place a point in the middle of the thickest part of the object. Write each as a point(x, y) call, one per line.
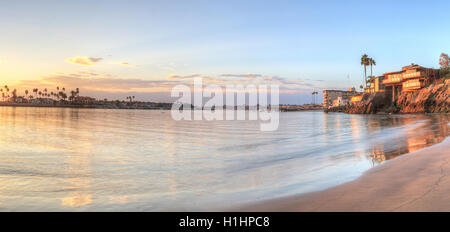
point(58, 95)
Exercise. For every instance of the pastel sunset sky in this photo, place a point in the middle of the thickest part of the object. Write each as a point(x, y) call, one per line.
point(115, 49)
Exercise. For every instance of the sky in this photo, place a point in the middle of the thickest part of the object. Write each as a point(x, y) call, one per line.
point(113, 49)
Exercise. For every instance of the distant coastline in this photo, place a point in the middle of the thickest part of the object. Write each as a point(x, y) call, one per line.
point(165, 106)
point(148, 106)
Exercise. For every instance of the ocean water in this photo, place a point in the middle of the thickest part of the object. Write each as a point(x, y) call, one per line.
point(55, 159)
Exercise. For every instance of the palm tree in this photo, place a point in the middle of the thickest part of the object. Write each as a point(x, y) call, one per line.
point(130, 98)
point(14, 93)
point(372, 63)
point(7, 92)
point(62, 95)
point(314, 97)
point(26, 93)
point(365, 63)
point(72, 95)
point(370, 79)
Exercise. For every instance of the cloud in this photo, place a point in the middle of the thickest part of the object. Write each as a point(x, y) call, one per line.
point(178, 77)
point(124, 64)
point(92, 81)
point(249, 75)
point(101, 85)
point(93, 59)
point(250, 78)
point(83, 60)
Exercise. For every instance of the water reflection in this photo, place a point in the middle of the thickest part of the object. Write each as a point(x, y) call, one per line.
point(79, 179)
point(87, 159)
point(421, 131)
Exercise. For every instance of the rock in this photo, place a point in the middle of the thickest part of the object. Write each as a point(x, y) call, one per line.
point(369, 104)
point(432, 99)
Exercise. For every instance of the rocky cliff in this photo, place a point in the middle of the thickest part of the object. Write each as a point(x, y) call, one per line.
point(432, 99)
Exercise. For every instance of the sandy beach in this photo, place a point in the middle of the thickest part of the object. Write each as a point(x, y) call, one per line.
point(418, 181)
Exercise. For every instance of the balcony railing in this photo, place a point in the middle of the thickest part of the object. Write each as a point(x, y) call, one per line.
point(391, 80)
point(412, 84)
point(411, 75)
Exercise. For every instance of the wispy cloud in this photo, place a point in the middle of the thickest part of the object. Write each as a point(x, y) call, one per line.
point(124, 64)
point(83, 60)
point(178, 77)
point(101, 85)
point(248, 75)
point(94, 59)
point(91, 81)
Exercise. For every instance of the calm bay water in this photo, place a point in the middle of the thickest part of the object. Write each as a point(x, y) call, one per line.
point(54, 159)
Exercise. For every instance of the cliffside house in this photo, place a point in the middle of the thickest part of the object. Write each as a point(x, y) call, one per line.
point(410, 78)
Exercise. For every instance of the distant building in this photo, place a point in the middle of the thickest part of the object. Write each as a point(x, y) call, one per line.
point(342, 101)
point(20, 100)
point(46, 101)
point(410, 78)
point(84, 100)
point(356, 98)
point(330, 96)
point(376, 85)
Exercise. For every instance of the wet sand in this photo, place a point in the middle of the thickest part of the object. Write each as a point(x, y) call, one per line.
point(419, 181)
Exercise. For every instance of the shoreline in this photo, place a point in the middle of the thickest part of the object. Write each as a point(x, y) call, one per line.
point(79, 106)
point(3, 104)
point(418, 181)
